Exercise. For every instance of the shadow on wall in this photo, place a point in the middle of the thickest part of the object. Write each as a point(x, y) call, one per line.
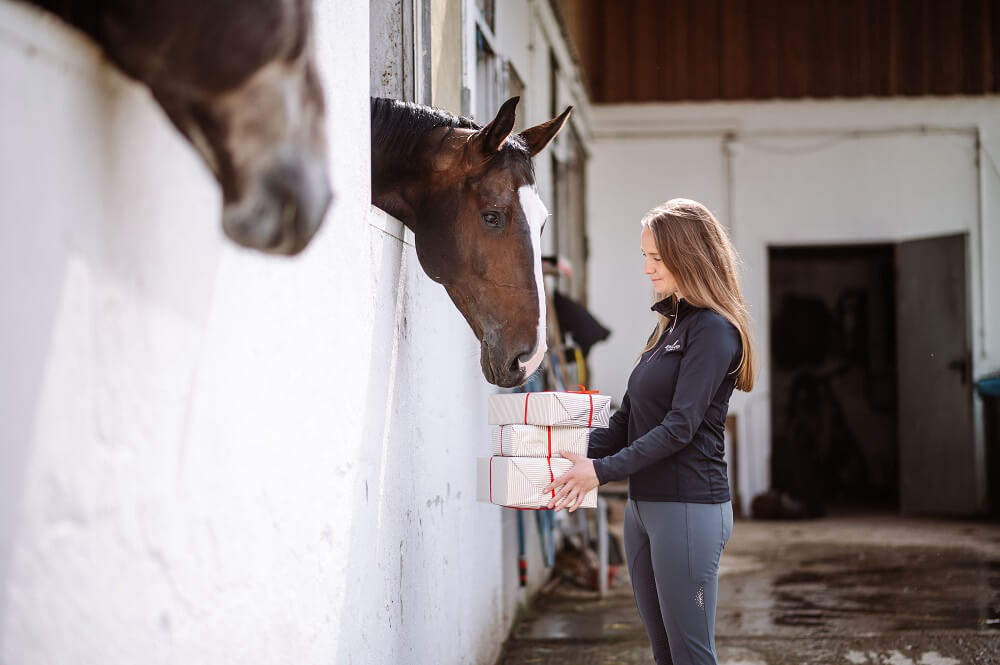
point(370, 517)
point(24, 350)
point(417, 536)
point(93, 256)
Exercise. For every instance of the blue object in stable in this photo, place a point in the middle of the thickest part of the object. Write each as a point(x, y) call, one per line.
point(546, 527)
point(989, 387)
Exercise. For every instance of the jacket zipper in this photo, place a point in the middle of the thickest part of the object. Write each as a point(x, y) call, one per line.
point(666, 336)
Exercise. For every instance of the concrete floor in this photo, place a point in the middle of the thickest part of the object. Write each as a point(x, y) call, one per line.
point(877, 590)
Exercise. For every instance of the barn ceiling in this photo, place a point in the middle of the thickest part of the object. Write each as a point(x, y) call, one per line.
point(684, 50)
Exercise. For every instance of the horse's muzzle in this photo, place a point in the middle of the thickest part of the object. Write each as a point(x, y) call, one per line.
point(502, 369)
point(282, 211)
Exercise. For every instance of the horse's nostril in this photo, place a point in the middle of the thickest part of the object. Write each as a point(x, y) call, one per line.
point(522, 358)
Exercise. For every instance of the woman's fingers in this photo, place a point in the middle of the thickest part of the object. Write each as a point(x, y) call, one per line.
point(556, 483)
point(568, 488)
point(563, 497)
point(570, 499)
point(559, 491)
point(560, 495)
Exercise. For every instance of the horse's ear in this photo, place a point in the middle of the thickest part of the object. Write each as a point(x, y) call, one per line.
point(539, 136)
point(494, 134)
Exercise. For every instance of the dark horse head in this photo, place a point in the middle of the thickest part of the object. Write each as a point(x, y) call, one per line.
point(238, 80)
point(468, 194)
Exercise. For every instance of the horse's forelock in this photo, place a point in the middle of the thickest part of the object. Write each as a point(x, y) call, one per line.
point(398, 127)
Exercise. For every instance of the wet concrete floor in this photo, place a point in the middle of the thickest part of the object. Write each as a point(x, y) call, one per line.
point(877, 590)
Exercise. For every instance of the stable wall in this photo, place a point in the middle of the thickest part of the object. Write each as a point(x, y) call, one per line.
point(210, 455)
point(792, 173)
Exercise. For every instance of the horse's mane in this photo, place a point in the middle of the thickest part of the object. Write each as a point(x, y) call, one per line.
point(398, 126)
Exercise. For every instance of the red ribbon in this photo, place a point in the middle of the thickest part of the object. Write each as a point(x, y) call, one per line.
point(549, 459)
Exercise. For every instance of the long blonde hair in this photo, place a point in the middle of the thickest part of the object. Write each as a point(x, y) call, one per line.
point(696, 250)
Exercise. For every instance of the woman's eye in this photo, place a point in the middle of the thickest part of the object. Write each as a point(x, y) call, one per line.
point(493, 219)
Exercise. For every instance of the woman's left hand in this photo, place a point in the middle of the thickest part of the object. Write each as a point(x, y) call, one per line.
point(572, 486)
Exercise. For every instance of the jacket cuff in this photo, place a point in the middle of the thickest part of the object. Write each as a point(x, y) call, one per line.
point(598, 466)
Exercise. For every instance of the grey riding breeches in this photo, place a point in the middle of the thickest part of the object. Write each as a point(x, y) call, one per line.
point(673, 552)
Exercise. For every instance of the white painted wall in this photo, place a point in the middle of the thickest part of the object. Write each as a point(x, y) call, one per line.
point(787, 173)
point(209, 455)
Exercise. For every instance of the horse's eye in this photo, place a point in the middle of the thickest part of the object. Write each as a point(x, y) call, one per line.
point(494, 219)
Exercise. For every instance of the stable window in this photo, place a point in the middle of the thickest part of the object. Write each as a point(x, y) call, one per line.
point(484, 70)
point(399, 50)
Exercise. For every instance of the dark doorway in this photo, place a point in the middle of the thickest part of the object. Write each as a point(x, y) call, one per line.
point(871, 393)
point(833, 353)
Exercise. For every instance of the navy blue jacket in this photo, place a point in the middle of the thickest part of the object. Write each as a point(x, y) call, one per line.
point(667, 437)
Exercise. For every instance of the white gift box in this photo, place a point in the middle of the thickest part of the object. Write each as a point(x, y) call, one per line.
point(517, 482)
point(564, 409)
point(538, 440)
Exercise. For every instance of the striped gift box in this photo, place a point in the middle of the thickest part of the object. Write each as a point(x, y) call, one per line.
point(517, 482)
point(563, 409)
point(538, 440)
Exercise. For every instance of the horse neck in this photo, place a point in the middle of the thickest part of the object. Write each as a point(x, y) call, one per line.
point(393, 172)
point(389, 188)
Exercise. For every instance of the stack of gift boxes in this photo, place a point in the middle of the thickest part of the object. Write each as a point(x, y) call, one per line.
point(529, 430)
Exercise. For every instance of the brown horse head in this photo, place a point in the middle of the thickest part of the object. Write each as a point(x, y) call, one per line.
point(238, 80)
point(468, 193)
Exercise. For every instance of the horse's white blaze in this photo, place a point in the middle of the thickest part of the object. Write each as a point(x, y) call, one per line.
point(535, 212)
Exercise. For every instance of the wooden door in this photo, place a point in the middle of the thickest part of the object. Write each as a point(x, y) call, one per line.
point(936, 455)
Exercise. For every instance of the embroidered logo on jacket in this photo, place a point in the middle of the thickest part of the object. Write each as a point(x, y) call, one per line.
point(672, 347)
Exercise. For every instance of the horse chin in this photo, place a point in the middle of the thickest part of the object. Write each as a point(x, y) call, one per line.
point(276, 220)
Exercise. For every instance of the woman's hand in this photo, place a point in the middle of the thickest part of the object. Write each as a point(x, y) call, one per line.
point(572, 486)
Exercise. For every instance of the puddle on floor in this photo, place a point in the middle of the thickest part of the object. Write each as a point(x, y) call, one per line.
point(839, 590)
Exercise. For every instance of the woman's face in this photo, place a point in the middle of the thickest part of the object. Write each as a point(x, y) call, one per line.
point(663, 281)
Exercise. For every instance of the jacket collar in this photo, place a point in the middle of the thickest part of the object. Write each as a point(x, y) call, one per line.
point(670, 306)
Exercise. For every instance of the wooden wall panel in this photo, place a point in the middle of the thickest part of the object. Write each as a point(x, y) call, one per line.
point(793, 53)
point(855, 44)
point(678, 50)
point(992, 40)
point(674, 55)
point(764, 53)
point(945, 65)
point(704, 49)
point(617, 80)
point(735, 44)
point(645, 43)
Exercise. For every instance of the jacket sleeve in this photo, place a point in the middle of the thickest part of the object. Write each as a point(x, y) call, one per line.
point(609, 440)
point(710, 353)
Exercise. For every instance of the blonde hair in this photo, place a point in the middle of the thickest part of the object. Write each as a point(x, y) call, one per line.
point(695, 248)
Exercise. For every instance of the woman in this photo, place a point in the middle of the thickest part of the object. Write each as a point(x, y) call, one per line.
point(667, 438)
